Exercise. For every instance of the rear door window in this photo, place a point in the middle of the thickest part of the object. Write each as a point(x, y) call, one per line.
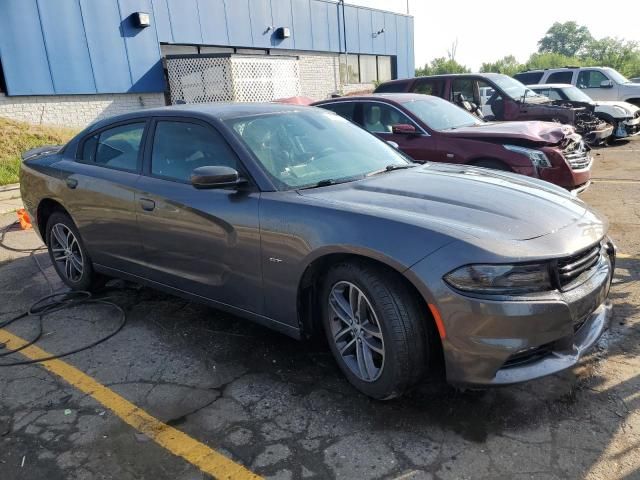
point(344, 109)
point(429, 86)
point(529, 78)
point(117, 147)
point(560, 77)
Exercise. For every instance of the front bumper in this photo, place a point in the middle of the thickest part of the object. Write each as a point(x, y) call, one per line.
point(628, 128)
point(597, 136)
point(499, 342)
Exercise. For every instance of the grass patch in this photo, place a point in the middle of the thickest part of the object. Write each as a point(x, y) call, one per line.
point(18, 137)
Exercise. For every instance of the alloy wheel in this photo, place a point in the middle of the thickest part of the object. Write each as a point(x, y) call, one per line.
point(66, 252)
point(356, 331)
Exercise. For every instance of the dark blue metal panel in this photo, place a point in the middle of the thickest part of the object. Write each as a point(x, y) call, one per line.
point(365, 32)
point(282, 17)
point(163, 21)
point(390, 33)
point(106, 46)
point(335, 28)
point(377, 24)
point(302, 34)
point(402, 46)
point(24, 58)
point(66, 46)
point(185, 21)
point(353, 37)
point(238, 23)
point(319, 25)
point(213, 22)
point(260, 16)
point(143, 50)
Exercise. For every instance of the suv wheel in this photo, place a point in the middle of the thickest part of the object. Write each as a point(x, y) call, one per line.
point(374, 327)
point(68, 254)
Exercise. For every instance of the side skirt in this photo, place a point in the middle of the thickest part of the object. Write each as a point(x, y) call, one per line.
point(259, 319)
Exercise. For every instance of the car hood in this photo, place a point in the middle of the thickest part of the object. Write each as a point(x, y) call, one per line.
point(472, 201)
point(540, 133)
point(630, 108)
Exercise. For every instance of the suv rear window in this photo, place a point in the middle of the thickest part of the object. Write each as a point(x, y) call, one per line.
point(529, 78)
point(391, 87)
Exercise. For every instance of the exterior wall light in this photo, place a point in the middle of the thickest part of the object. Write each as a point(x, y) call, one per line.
point(282, 33)
point(142, 19)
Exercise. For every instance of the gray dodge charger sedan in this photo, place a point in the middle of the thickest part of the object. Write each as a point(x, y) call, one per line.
point(299, 220)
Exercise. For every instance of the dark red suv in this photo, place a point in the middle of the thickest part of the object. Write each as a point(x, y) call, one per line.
point(428, 128)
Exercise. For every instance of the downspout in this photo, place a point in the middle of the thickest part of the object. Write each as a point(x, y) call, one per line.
point(344, 36)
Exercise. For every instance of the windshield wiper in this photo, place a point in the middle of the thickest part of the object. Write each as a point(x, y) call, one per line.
point(329, 181)
point(392, 167)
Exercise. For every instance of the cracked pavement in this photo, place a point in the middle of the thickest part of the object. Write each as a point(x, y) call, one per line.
point(281, 407)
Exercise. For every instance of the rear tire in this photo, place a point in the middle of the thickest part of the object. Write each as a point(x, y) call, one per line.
point(374, 326)
point(68, 254)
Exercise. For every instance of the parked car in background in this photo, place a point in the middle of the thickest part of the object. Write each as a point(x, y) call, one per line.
point(428, 128)
point(624, 116)
point(600, 83)
point(299, 220)
point(510, 100)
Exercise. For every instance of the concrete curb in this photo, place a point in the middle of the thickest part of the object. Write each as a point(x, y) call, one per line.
point(8, 192)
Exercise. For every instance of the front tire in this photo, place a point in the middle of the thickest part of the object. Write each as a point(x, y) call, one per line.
point(68, 253)
point(374, 326)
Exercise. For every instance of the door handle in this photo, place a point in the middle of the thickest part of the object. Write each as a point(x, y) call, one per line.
point(71, 183)
point(147, 204)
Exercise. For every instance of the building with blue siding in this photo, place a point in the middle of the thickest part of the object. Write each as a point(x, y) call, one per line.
point(73, 61)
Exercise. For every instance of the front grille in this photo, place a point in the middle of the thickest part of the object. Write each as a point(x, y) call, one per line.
point(572, 267)
point(576, 152)
point(528, 356)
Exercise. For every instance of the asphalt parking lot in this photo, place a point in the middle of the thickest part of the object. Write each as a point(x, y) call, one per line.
point(180, 375)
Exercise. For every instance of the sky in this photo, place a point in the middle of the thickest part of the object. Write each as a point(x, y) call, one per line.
point(489, 30)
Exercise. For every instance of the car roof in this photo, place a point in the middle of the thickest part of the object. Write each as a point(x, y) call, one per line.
point(550, 85)
point(389, 97)
point(220, 111)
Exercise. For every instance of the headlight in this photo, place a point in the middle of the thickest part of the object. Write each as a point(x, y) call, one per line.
point(621, 111)
point(538, 158)
point(501, 279)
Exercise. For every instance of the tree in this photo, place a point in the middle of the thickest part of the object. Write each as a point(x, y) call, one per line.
point(507, 65)
point(569, 39)
point(616, 53)
point(551, 60)
point(441, 65)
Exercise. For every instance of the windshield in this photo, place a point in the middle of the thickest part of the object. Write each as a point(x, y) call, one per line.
point(303, 149)
point(616, 76)
point(513, 88)
point(576, 95)
point(438, 114)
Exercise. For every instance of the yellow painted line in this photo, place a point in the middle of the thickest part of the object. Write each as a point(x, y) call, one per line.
point(175, 441)
point(625, 256)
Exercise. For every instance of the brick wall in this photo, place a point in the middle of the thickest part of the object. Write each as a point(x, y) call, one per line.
point(74, 110)
point(320, 74)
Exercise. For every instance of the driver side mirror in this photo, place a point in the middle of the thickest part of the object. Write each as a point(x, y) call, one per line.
point(215, 177)
point(403, 129)
point(606, 84)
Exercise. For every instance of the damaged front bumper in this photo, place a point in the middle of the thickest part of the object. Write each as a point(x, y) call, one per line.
point(599, 134)
point(628, 128)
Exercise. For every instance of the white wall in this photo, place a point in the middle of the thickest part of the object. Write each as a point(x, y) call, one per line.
point(74, 110)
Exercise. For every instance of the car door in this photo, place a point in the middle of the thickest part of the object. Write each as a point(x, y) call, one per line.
point(205, 242)
point(99, 192)
point(379, 118)
point(590, 81)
